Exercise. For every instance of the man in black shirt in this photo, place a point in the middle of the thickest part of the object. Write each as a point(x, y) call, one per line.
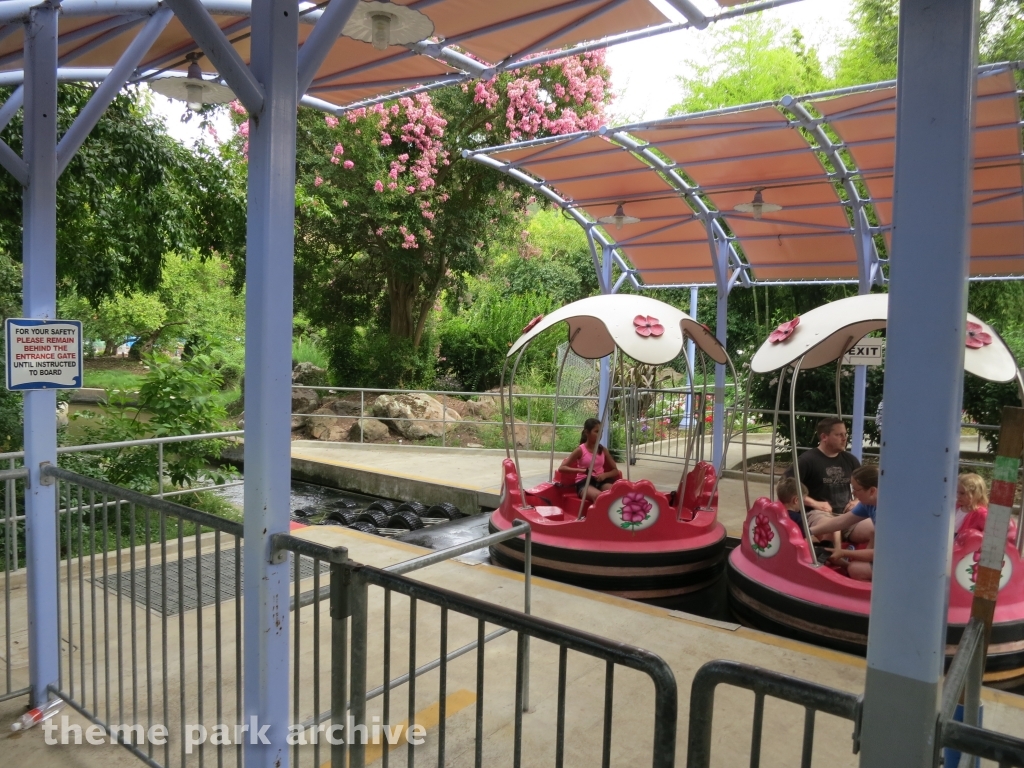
point(826, 470)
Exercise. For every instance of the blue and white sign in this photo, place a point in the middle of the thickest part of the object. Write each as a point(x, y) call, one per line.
point(43, 354)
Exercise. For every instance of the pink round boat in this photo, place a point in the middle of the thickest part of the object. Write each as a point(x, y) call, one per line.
point(775, 581)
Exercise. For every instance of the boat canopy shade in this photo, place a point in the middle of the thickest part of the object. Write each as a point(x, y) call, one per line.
point(599, 324)
point(826, 333)
point(822, 163)
point(95, 33)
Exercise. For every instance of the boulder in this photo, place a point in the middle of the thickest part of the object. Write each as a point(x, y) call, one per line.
point(347, 407)
point(310, 375)
point(298, 422)
point(481, 410)
point(335, 433)
point(372, 431)
point(304, 400)
point(414, 416)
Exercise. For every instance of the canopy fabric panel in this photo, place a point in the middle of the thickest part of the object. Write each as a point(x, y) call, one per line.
point(596, 175)
point(354, 70)
point(866, 123)
point(684, 176)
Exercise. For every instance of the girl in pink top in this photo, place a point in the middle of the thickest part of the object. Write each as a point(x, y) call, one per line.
point(605, 471)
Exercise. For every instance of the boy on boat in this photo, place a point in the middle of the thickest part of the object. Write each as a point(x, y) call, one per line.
point(861, 521)
point(788, 495)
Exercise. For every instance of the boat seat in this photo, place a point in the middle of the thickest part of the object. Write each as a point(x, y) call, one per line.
point(552, 513)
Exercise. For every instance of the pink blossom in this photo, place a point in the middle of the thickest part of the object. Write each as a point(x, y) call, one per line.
point(410, 190)
point(335, 160)
point(236, 107)
point(977, 337)
point(331, 120)
point(349, 165)
point(317, 181)
point(635, 508)
point(339, 150)
point(378, 186)
point(385, 139)
point(784, 331)
point(243, 129)
point(344, 203)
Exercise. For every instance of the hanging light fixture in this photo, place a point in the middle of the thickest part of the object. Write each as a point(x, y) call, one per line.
point(384, 24)
point(758, 206)
point(619, 218)
point(193, 89)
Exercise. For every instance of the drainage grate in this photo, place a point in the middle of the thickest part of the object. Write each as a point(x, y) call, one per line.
point(189, 596)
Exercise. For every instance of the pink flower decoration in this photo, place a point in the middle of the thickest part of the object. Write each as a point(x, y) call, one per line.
point(635, 508)
point(530, 325)
point(763, 533)
point(784, 331)
point(976, 336)
point(648, 326)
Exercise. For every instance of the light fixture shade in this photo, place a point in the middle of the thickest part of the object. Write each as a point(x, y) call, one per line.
point(384, 24)
point(184, 89)
point(758, 206)
point(619, 218)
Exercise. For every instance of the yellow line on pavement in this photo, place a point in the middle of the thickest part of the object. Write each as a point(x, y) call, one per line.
point(428, 718)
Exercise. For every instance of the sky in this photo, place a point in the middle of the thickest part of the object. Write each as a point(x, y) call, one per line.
point(644, 73)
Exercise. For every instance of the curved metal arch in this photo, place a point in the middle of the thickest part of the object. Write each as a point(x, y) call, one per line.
point(868, 263)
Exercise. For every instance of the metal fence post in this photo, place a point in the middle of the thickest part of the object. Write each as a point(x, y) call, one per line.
point(340, 611)
point(160, 468)
point(358, 606)
point(39, 244)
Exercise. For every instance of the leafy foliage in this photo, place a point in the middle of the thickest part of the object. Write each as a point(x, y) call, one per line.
point(129, 196)
point(179, 399)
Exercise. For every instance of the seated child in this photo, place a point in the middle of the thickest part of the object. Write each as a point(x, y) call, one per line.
point(864, 483)
point(971, 503)
point(605, 471)
point(787, 495)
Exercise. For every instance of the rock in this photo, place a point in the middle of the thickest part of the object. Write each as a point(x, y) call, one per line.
point(241, 420)
point(319, 420)
point(372, 430)
point(304, 400)
point(335, 433)
point(414, 416)
point(347, 407)
point(474, 445)
point(298, 422)
point(481, 410)
point(310, 375)
point(62, 415)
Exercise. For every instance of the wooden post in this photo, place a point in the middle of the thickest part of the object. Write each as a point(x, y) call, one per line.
point(1004, 487)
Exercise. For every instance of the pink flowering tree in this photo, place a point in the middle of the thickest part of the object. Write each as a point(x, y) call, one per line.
point(388, 212)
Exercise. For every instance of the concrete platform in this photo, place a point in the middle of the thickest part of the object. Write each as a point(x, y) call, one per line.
point(685, 642)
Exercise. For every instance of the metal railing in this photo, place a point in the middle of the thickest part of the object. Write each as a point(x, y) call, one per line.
point(14, 682)
point(355, 660)
point(150, 617)
point(963, 683)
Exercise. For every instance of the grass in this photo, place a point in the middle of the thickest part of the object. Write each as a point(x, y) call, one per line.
point(112, 379)
point(306, 350)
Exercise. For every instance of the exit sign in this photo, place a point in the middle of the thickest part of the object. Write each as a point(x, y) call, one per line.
point(870, 352)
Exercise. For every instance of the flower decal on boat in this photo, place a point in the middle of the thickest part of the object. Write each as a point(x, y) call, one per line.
point(530, 325)
point(966, 571)
point(784, 331)
point(764, 539)
point(976, 336)
point(648, 326)
point(633, 512)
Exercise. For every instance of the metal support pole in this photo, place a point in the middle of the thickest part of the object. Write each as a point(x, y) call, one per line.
point(718, 436)
point(39, 274)
point(691, 350)
point(605, 381)
point(925, 339)
point(268, 345)
point(860, 386)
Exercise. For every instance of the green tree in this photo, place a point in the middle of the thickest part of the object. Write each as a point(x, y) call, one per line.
point(129, 196)
point(754, 59)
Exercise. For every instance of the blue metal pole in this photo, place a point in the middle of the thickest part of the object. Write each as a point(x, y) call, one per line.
point(860, 385)
point(691, 353)
point(718, 435)
point(605, 379)
point(39, 275)
point(268, 355)
point(924, 380)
